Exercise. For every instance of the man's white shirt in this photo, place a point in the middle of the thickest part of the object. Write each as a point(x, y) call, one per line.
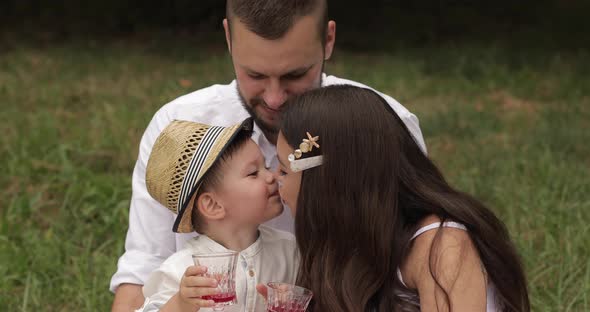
point(150, 239)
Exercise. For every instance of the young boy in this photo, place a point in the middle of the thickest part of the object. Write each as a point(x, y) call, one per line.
point(215, 180)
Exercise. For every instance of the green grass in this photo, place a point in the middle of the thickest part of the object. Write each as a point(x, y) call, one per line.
point(510, 126)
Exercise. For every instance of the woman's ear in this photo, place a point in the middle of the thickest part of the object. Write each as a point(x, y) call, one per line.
point(209, 207)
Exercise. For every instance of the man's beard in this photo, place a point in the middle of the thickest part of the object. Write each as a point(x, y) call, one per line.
point(267, 128)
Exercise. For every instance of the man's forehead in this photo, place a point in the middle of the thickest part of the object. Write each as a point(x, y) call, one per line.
point(294, 52)
point(278, 61)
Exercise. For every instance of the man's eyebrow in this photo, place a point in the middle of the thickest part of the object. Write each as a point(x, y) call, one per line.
point(299, 70)
point(251, 71)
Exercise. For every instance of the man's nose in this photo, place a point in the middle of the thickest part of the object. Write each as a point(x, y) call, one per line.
point(275, 94)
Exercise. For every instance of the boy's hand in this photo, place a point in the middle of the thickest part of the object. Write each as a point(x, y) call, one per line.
point(194, 285)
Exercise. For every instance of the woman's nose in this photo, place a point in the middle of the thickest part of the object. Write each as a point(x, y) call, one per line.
point(276, 174)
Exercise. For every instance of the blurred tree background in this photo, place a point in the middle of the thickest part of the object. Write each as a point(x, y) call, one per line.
point(373, 24)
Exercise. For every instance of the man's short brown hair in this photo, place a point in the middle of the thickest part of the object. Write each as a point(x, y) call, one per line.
point(271, 19)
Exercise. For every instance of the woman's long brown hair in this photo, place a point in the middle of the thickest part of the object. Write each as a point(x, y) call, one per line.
point(357, 211)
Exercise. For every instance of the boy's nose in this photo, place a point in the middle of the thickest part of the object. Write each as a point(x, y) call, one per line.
point(270, 176)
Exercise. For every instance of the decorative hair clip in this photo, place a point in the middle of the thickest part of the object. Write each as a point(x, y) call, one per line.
point(306, 163)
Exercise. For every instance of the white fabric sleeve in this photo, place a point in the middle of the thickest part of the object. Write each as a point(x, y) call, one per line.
point(149, 239)
point(150, 306)
point(408, 118)
point(163, 284)
point(413, 125)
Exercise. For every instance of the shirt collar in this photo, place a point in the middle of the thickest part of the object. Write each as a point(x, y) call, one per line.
point(268, 149)
point(206, 244)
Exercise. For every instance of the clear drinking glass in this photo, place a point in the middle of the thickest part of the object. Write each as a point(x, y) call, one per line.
point(284, 297)
point(222, 267)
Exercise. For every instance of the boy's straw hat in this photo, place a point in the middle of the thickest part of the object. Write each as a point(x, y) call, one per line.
point(180, 157)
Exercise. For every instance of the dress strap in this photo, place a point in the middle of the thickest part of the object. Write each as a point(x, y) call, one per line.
point(436, 225)
point(427, 228)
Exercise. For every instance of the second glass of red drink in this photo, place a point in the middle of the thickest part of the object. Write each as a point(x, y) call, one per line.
point(283, 297)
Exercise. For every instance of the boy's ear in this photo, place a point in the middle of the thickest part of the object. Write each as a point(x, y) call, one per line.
point(209, 207)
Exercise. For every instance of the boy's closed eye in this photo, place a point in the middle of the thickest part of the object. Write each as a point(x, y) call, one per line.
point(254, 172)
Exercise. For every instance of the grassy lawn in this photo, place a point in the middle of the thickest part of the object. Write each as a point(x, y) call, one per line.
point(511, 126)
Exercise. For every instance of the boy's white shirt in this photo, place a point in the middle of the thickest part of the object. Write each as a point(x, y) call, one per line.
point(150, 239)
point(273, 257)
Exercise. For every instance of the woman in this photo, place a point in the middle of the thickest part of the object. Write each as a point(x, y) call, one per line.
point(377, 225)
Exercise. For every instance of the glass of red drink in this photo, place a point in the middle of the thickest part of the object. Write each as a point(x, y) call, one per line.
point(222, 267)
point(283, 297)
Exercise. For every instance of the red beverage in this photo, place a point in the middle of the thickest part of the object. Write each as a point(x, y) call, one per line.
point(287, 307)
point(284, 309)
point(220, 298)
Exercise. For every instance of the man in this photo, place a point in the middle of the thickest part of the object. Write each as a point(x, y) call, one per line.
point(278, 49)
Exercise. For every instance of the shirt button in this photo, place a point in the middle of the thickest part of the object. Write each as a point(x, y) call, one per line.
point(251, 273)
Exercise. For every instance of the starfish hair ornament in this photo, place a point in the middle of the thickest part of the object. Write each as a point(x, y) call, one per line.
point(306, 146)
